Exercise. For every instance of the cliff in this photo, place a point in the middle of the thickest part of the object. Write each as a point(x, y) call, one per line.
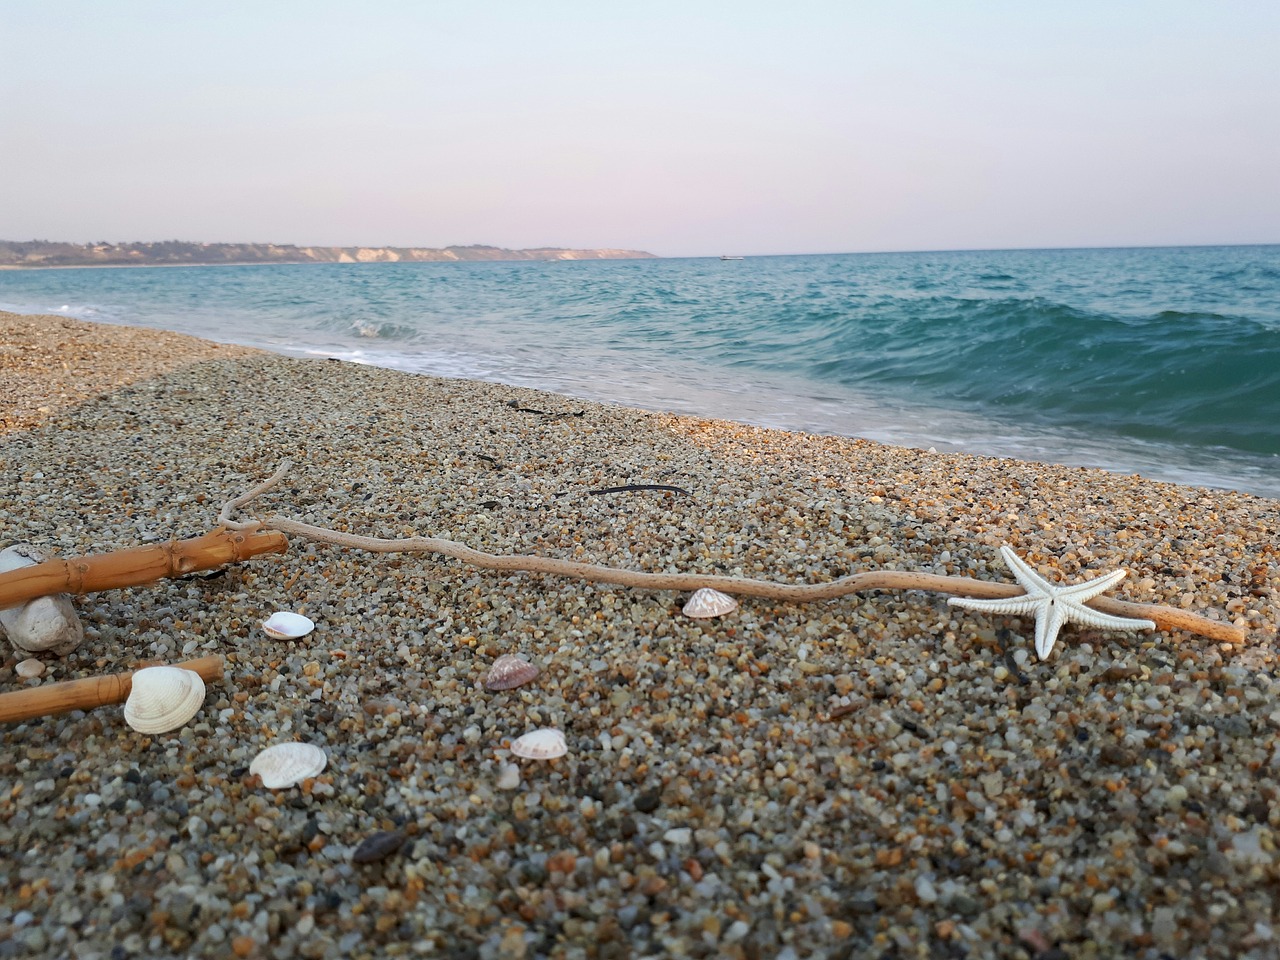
point(44, 253)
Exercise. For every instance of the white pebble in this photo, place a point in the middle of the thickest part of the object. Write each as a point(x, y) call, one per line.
point(509, 777)
point(925, 891)
point(29, 668)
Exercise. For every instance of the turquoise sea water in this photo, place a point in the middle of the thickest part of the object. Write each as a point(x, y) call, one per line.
point(1164, 362)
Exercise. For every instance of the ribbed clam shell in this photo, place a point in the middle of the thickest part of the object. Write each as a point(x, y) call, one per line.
point(709, 603)
point(163, 698)
point(509, 671)
point(542, 744)
point(287, 764)
point(287, 626)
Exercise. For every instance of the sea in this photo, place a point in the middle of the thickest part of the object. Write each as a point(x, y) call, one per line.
point(1159, 361)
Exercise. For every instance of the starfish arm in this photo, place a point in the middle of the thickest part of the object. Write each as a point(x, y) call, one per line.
point(1105, 621)
point(1031, 581)
point(1048, 622)
point(1091, 588)
point(1009, 605)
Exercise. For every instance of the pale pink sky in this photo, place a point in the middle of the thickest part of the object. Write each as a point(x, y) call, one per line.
point(684, 128)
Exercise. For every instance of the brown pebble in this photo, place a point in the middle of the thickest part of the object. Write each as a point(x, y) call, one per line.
point(1116, 755)
point(242, 946)
point(1113, 674)
point(652, 886)
point(378, 846)
point(562, 862)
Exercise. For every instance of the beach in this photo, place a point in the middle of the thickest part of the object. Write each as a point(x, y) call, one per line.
point(878, 775)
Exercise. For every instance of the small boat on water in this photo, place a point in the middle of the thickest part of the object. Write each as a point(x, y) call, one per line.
point(730, 258)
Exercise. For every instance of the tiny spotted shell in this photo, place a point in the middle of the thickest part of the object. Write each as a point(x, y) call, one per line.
point(509, 671)
point(709, 603)
point(543, 744)
point(287, 626)
point(287, 764)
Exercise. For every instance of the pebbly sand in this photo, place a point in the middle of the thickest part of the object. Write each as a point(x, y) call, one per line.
point(880, 776)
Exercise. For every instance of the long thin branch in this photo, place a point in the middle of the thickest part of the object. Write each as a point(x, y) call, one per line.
point(1166, 618)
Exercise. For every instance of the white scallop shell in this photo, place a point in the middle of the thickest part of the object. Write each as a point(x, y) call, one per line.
point(163, 698)
point(543, 744)
point(709, 603)
point(287, 626)
point(287, 764)
point(508, 672)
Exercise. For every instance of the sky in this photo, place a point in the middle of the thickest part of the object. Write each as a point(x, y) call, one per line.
point(684, 128)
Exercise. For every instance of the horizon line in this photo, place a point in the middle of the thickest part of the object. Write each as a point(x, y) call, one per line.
point(651, 255)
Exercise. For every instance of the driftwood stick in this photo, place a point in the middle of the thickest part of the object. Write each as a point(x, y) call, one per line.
point(1167, 618)
point(137, 566)
point(52, 698)
point(231, 506)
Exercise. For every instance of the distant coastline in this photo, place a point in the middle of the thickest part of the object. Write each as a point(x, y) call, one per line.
point(38, 254)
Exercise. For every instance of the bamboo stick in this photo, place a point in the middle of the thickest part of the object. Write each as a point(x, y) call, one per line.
point(90, 692)
point(138, 565)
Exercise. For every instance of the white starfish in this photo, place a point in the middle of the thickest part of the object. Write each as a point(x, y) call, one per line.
point(1054, 605)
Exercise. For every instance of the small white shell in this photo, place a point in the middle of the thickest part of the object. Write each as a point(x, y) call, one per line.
point(709, 603)
point(287, 626)
point(287, 764)
point(508, 672)
point(543, 744)
point(163, 698)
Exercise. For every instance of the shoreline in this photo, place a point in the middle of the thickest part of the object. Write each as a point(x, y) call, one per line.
point(878, 770)
point(334, 263)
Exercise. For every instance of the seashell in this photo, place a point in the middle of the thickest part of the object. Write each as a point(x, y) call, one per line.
point(378, 846)
point(542, 744)
point(509, 671)
point(709, 603)
point(287, 764)
point(163, 699)
point(29, 668)
point(287, 626)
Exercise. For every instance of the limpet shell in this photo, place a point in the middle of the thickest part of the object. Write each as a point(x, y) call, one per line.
point(542, 744)
point(709, 603)
point(286, 764)
point(287, 626)
point(509, 671)
point(163, 698)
